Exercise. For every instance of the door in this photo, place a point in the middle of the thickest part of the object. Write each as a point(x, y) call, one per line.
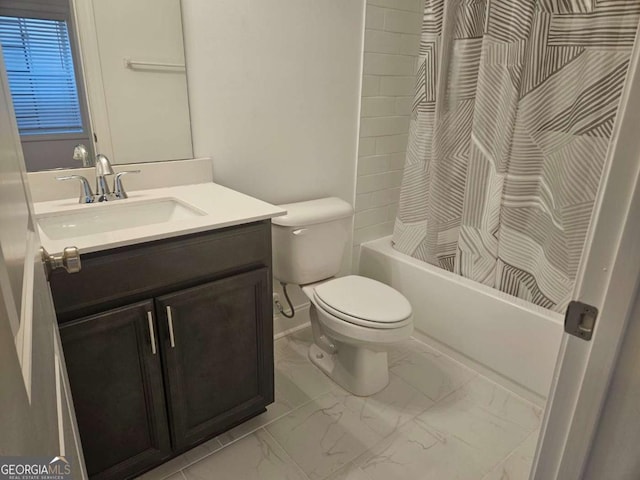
point(218, 351)
point(36, 412)
point(607, 279)
point(116, 382)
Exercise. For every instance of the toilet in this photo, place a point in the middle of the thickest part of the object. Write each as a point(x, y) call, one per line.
point(353, 318)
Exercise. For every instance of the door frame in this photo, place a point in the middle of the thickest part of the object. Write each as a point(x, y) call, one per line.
point(607, 278)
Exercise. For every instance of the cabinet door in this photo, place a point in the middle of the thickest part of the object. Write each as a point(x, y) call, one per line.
point(217, 343)
point(116, 384)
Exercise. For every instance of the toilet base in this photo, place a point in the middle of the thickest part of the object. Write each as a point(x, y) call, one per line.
point(359, 370)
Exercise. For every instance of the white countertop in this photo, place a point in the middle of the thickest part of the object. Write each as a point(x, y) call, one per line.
point(222, 207)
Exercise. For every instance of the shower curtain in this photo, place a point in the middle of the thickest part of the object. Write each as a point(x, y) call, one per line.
point(514, 110)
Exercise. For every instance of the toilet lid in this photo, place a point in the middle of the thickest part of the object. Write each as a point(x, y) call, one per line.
point(364, 298)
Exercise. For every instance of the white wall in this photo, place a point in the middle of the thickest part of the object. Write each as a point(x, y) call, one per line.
point(274, 90)
point(391, 44)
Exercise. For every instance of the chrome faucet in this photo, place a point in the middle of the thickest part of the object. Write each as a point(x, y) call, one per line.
point(81, 154)
point(103, 169)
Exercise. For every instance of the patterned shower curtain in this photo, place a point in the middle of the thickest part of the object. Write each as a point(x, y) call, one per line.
point(514, 109)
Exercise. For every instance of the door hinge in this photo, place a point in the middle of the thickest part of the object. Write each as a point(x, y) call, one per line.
point(580, 320)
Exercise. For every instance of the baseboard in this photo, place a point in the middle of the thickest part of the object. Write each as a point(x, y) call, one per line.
point(283, 326)
point(291, 331)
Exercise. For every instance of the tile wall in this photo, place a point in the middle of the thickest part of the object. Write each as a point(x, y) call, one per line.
point(392, 38)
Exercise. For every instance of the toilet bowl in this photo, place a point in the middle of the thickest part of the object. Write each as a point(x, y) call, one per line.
point(350, 332)
point(353, 318)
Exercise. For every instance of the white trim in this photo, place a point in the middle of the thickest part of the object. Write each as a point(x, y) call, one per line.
point(365, 6)
point(67, 423)
point(283, 326)
point(24, 338)
point(291, 331)
point(6, 289)
point(57, 367)
point(607, 279)
point(87, 40)
point(10, 303)
point(76, 436)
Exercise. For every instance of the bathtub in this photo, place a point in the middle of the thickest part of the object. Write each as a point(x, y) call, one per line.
point(515, 339)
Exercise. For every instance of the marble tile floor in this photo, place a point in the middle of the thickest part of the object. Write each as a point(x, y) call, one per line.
point(437, 419)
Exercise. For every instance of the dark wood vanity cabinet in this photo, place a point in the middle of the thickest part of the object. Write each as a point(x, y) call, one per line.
point(167, 344)
point(117, 389)
point(217, 364)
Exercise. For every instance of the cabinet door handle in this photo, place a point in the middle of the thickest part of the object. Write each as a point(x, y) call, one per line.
point(172, 339)
point(152, 333)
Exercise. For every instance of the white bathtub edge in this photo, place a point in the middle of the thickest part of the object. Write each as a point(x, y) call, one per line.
point(520, 353)
point(513, 387)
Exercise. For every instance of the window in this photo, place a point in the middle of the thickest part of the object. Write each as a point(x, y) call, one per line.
point(39, 63)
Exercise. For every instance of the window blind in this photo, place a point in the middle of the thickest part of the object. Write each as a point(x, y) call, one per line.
point(39, 64)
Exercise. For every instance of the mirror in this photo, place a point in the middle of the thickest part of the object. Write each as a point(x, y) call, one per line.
point(107, 74)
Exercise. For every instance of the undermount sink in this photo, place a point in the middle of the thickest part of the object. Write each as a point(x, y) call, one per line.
point(107, 217)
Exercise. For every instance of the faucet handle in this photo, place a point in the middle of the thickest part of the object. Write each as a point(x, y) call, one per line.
point(86, 195)
point(118, 187)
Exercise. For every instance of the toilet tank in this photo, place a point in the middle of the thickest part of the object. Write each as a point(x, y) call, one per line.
point(310, 240)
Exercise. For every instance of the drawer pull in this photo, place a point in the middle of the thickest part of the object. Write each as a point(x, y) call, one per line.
point(152, 333)
point(172, 339)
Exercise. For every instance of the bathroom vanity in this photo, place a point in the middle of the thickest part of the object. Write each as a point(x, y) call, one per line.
point(167, 330)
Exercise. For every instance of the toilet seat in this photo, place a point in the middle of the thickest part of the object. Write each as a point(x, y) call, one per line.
point(363, 301)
